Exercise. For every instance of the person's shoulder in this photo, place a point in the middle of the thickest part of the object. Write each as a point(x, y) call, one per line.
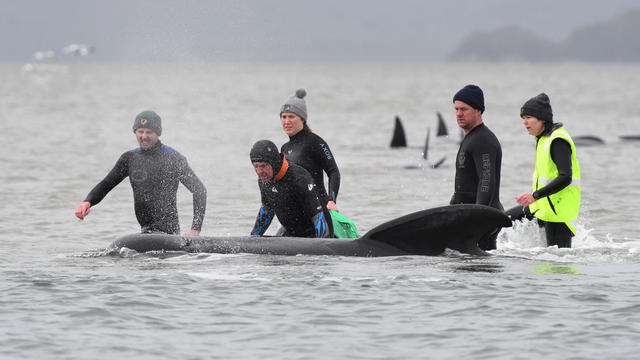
point(129, 153)
point(171, 151)
point(298, 171)
point(482, 138)
point(168, 149)
point(484, 129)
point(316, 137)
point(295, 168)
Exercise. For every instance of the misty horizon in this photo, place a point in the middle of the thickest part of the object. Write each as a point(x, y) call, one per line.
point(279, 31)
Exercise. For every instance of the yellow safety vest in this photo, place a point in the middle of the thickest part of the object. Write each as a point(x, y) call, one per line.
point(564, 205)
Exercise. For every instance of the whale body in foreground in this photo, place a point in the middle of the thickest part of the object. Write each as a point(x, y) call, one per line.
point(426, 232)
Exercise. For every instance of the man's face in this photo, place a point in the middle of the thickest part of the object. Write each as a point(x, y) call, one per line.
point(466, 116)
point(146, 138)
point(264, 171)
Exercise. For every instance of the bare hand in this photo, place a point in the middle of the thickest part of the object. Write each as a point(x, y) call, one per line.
point(83, 210)
point(525, 199)
point(331, 205)
point(192, 232)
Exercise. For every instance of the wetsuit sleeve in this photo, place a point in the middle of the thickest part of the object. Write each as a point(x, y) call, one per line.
point(189, 179)
point(113, 178)
point(327, 162)
point(561, 156)
point(265, 215)
point(484, 159)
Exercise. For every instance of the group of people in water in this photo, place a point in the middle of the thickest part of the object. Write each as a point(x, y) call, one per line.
point(291, 179)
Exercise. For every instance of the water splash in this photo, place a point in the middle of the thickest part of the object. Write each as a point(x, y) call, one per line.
point(526, 239)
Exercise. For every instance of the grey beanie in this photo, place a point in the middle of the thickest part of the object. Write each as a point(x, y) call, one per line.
point(538, 106)
point(296, 104)
point(149, 120)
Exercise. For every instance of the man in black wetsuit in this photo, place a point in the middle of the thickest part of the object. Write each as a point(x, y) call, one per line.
point(288, 191)
point(479, 158)
point(154, 170)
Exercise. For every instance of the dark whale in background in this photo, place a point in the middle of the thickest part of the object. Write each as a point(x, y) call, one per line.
point(592, 140)
point(630, 137)
point(587, 140)
point(426, 232)
point(442, 127)
point(398, 139)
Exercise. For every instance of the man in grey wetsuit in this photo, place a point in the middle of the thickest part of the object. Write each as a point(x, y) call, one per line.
point(154, 170)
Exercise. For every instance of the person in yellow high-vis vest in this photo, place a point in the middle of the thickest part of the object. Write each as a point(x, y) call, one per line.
point(555, 199)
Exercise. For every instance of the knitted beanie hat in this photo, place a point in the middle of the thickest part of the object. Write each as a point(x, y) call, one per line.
point(296, 104)
point(149, 120)
point(472, 95)
point(538, 106)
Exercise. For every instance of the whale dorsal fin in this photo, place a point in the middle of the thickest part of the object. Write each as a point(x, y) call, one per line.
point(398, 139)
point(442, 127)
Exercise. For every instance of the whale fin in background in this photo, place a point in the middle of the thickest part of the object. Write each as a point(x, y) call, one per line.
point(426, 150)
point(426, 145)
point(398, 139)
point(442, 127)
point(587, 140)
point(438, 163)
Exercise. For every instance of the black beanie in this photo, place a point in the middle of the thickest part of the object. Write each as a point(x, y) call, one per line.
point(266, 151)
point(149, 120)
point(538, 106)
point(472, 95)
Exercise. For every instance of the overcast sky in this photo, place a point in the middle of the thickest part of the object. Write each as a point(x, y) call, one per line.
point(286, 30)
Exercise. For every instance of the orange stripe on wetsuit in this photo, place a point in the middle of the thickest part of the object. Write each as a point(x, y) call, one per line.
point(283, 169)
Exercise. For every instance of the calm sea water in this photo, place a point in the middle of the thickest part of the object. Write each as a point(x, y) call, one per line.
point(63, 296)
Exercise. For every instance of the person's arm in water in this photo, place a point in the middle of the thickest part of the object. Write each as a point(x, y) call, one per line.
point(561, 156)
point(265, 216)
point(113, 178)
point(189, 179)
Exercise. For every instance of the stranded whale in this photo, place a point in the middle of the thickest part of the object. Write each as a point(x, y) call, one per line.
point(426, 232)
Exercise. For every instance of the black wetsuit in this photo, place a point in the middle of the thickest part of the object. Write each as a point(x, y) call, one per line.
point(154, 175)
point(294, 200)
point(558, 233)
point(477, 178)
point(312, 153)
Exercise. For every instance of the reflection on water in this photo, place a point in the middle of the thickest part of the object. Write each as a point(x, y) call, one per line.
point(555, 269)
point(483, 267)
